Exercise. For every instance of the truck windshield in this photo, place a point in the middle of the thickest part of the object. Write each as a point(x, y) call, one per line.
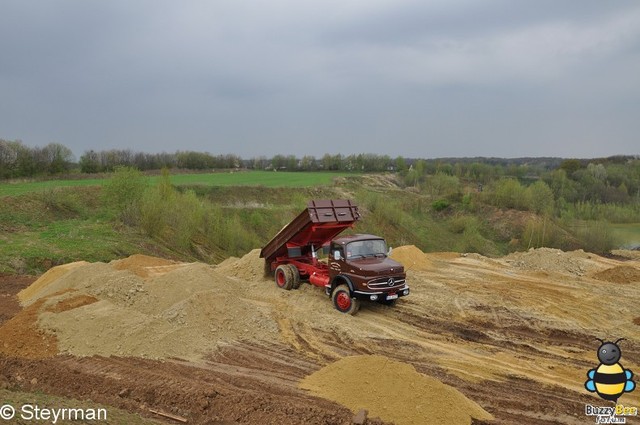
point(368, 248)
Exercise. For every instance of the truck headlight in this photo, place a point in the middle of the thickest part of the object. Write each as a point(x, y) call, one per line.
point(373, 297)
point(405, 292)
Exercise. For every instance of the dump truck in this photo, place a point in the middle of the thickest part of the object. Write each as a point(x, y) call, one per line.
point(356, 268)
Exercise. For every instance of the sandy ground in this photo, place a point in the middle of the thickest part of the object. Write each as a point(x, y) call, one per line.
point(513, 336)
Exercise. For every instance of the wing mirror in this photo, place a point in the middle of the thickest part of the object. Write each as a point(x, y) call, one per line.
point(336, 255)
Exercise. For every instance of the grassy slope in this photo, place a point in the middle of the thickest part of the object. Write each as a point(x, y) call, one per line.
point(49, 223)
point(40, 230)
point(44, 228)
point(244, 178)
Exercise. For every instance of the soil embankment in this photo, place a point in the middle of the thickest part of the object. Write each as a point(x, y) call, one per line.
point(510, 337)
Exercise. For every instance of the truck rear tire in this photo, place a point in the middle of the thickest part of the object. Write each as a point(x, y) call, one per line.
point(343, 302)
point(284, 276)
point(296, 276)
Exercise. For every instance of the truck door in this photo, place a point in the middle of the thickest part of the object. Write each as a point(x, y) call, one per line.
point(336, 259)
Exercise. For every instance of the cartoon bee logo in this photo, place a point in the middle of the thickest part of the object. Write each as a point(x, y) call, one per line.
point(610, 380)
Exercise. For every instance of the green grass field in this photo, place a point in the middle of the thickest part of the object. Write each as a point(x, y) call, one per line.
point(243, 178)
point(45, 223)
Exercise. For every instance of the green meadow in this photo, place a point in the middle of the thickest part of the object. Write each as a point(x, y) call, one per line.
point(239, 178)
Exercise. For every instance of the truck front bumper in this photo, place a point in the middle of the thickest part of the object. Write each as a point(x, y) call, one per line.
point(383, 296)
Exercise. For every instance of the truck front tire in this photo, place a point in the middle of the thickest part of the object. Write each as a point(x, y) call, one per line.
point(343, 302)
point(284, 277)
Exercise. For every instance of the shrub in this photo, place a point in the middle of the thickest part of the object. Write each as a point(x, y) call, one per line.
point(509, 193)
point(123, 192)
point(151, 213)
point(540, 198)
point(440, 205)
point(442, 185)
point(62, 200)
point(461, 223)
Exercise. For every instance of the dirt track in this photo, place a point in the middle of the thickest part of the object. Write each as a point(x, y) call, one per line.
point(516, 335)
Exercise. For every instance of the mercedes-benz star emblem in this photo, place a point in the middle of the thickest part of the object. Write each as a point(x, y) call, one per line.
point(391, 281)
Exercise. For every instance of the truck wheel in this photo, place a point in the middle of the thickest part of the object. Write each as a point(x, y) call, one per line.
point(343, 302)
point(296, 276)
point(284, 276)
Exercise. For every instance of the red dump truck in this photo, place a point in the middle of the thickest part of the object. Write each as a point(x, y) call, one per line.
point(357, 267)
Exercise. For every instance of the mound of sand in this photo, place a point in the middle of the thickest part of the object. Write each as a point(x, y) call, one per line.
point(21, 337)
point(619, 274)
point(552, 260)
point(393, 391)
point(53, 274)
point(627, 253)
point(249, 267)
point(96, 279)
point(145, 266)
point(412, 258)
point(144, 306)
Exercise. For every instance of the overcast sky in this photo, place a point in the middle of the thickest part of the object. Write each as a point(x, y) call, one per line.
point(419, 78)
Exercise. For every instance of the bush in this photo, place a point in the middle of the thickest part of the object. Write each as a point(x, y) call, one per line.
point(442, 185)
point(509, 193)
point(384, 209)
point(123, 192)
point(461, 223)
point(540, 198)
point(440, 205)
point(473, 241)
point(151, 213)
point(171, 216)
point(63, 201)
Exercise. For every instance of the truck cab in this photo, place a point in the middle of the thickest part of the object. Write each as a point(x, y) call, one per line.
point(362, 263)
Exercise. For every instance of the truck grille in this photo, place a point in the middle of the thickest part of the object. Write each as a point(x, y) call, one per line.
point(383, 283)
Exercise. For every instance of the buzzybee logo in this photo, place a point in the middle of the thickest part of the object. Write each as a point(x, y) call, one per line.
point(610, 380)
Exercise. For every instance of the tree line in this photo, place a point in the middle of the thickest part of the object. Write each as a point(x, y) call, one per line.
point(18, 160)
point(606, 180)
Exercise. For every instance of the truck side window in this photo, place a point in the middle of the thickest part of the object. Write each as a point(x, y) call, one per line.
point(336, 248)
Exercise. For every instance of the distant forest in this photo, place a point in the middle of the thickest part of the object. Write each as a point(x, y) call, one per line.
point(602, 180)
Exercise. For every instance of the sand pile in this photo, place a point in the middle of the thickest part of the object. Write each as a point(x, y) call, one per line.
point(178, 310)
point(51, 275)
point(145, 266)
point(631, 254)
point(21, 337)
point(98, 279)
point(249, 267)
point(393, 391)
point(619, 274)
point(552, 260)
point(412, 258)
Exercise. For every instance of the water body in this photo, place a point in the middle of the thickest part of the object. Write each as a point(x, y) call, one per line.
point(628, 234)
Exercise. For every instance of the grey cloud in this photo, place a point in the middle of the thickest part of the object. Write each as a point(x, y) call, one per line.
point(413, 78)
